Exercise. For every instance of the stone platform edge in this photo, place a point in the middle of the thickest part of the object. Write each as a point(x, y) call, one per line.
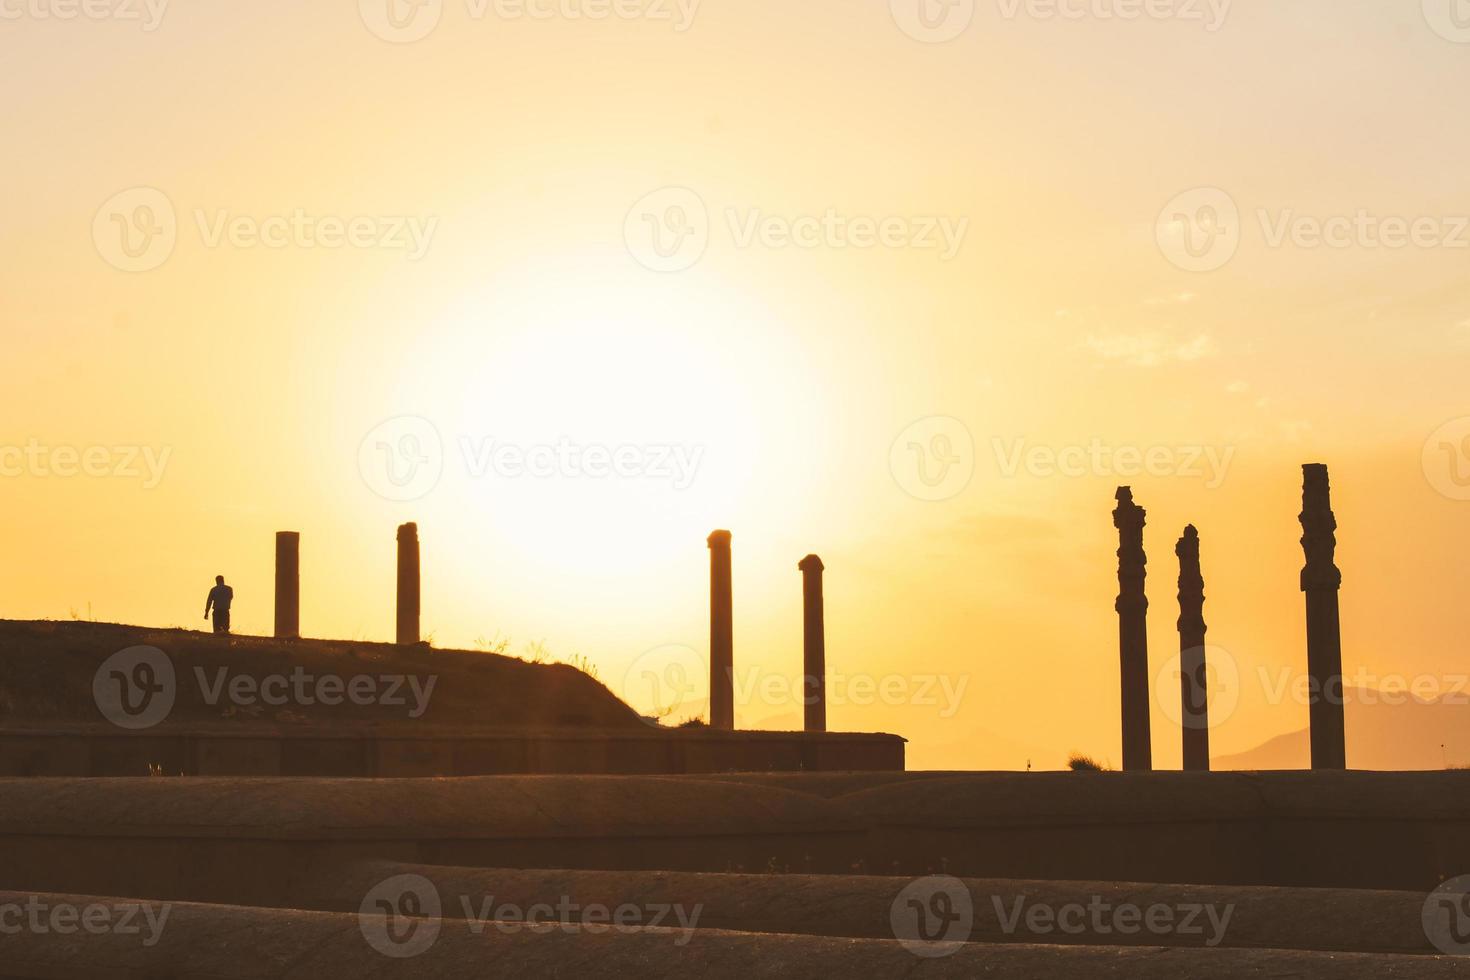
point(439, 752)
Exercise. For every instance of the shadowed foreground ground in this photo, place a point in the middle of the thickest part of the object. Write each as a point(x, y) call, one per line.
point(206, 941)
point(860, 907)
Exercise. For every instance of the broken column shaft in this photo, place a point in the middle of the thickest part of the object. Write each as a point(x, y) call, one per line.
point(721, 635)
point(1132, 607)
point(288, 585)
point(408, 584)
point(1194, 715)
point(1321, 581)
point(814, 645)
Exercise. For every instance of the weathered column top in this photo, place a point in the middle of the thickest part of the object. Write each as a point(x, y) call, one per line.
point(719, 539)
point(1188, 551)
point(1319, 530)
point(1129, 519)
point(1128, 514)
point(811, 563)
point(408, 531)
point(1191, 581)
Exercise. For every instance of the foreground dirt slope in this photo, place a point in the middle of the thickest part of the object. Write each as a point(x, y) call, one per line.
point(47, 671)
point(204, 941)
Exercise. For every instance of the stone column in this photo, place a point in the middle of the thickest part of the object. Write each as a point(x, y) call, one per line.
point(408, 584)
point(814, 645)
point(721, 635)
point(1132, 607)
point(1321, 581)
point(288, 585)
point(1195, 709)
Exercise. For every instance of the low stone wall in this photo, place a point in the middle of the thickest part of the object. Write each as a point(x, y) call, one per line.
point(256, 752)
point(264, 841)
point(246, 840)
point(1305, 829)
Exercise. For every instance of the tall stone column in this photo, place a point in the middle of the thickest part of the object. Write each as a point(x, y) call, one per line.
point(721, 635)
point(1195, 709)
point(408, 584)
point(1321, 581)
point(1132, 607)
point(814, 645)
point(288, 585)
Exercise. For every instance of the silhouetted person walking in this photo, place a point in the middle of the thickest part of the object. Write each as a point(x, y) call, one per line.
point(220, 598)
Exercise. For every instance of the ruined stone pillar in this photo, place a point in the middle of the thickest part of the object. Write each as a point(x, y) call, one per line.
point(288, 585)
point(1195, 714)
point(721, 635)
point(1132, 607)
point(408, 584)
point(1321, 581)
point(814, 645)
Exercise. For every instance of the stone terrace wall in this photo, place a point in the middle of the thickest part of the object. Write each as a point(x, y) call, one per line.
point(210, 839)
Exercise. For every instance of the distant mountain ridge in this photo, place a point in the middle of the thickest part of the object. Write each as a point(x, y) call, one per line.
point(1391, 730)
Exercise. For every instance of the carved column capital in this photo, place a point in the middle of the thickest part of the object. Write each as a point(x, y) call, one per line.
point(1319, 531)
point(1129, 519)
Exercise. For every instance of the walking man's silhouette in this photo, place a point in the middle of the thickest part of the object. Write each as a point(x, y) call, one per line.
point(220, 598)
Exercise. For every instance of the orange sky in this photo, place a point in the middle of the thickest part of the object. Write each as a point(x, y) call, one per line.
point(759, 248)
